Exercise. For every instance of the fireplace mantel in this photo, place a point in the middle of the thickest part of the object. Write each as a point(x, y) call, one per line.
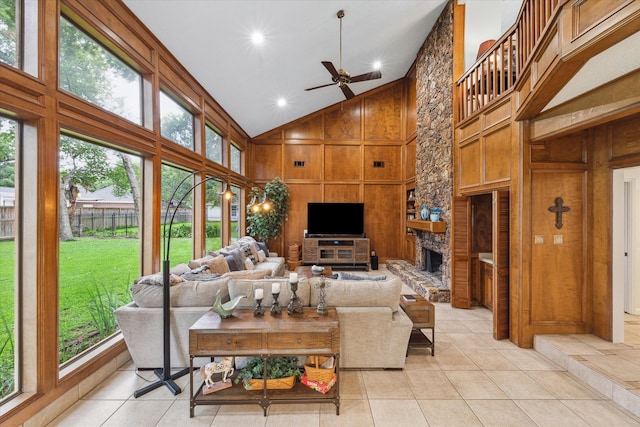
point(433, 227)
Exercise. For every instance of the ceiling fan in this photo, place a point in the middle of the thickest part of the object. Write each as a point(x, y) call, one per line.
point(340, 76)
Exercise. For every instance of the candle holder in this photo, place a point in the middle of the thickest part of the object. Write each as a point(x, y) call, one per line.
point(322, 308)
point(258, 311)
point(275, 307)
point(295, 305)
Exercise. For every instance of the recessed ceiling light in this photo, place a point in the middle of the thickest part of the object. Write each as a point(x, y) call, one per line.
point(257, 38)
point(377, 65)
point(281, 102)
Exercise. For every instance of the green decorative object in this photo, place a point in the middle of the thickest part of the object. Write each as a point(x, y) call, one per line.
point(265, 225)
point(277, 367)
point(225, 310)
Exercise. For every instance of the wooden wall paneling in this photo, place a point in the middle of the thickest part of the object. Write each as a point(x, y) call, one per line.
point(268, 161)
point(342, 193)
point(383, 215)
point(383, 114)
point(389, 155)
point(624, 138)
point(301, 194)
point(412, 120)
point(496, 147)
point(558, 256)
point(342, 162)
point(311, 128)
point(344, 122)
point(469, 168)
point(410, 160)
point(310, 154)
point(601, 228)
point(567, 149)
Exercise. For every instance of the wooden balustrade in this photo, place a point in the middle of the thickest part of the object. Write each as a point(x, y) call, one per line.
point(496, 72)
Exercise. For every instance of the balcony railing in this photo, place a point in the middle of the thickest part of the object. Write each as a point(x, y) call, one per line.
point(498, 69)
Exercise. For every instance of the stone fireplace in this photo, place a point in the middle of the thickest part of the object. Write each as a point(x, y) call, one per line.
point(432, 262)
point(434, 141)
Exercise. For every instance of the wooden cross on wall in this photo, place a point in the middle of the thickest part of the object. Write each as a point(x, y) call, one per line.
point(558, 209)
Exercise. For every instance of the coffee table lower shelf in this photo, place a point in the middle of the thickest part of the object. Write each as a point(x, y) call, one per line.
point(237, 394)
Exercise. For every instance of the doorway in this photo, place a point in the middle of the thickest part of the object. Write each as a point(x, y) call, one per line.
point(626, 254)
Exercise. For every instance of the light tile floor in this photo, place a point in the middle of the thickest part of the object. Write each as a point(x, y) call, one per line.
point(473, 380)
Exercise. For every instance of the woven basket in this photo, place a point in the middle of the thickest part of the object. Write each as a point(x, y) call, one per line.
point(315, 372)
point(272, 384)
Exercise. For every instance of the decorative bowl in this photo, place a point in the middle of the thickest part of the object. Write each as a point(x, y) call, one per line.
point(316, 269)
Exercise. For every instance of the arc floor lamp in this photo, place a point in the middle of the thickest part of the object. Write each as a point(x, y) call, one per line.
point(164, 373)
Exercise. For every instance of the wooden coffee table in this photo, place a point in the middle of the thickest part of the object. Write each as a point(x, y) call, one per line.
point(305, 270)
point(423, 315)
point(244, 334)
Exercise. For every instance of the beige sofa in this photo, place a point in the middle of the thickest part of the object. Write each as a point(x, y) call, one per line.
point(374, 331)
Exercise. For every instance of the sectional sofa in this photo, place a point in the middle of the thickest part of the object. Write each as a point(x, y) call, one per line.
point(374, 331)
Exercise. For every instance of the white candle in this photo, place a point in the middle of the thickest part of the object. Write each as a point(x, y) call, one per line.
point(293, 277)
point(259, 293)
point(275, 288)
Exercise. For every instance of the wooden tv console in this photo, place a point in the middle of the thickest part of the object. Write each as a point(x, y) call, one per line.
point(335, 250)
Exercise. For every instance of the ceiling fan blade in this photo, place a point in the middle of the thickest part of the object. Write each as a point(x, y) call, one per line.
point(348, 93)
point(329, 66)
point(318, 87)
point(367, 76)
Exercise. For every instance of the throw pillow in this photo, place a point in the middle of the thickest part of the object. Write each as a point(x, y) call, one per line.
point(199, 277)
point(232, 263)
point(248, 265)
point(156, 279)
point(263, 247)
point(247, 253)
point(195, 263)
point(344, 275)
point(261, 256)
point(218, 265)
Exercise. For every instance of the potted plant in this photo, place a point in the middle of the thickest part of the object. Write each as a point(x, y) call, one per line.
point(282, 372)
point(264, 225)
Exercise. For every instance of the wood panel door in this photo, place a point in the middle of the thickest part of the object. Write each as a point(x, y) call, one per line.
point(500, 265)
point(461, 252)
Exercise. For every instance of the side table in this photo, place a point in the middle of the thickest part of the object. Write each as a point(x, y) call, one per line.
point(423, 315)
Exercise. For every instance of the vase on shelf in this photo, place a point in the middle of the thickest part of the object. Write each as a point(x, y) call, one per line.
point(424, 213)
point(435, 215)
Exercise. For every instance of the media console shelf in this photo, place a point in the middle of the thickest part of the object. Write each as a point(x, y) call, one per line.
point(335, 250)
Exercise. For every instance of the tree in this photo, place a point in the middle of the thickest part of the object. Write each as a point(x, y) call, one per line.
point(7, 153)
point(8, 35)
point(81, 164)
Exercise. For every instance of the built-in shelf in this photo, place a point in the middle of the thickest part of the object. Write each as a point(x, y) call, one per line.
point(434, 227)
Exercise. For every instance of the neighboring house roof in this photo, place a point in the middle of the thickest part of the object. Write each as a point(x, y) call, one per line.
point(105, 195)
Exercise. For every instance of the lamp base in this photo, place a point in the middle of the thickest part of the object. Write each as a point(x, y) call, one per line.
point(164, 380)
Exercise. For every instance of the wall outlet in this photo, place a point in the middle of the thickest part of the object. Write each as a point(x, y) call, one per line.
point(538, 239)
point(558, 239)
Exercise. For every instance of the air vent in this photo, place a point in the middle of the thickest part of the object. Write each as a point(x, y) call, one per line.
point(298, 163)
point(378, 164)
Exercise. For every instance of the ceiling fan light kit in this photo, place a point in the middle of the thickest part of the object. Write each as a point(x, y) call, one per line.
point(341, 77)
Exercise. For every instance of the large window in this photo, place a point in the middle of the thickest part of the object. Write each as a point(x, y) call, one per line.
point(177, 204)
point(94, 74)
point(8, 283)
point(236, 159)
point(214, 215)
point(176, 123)
point(99, 245)
point(213, 142)
point(9, 32)
point(236, 233)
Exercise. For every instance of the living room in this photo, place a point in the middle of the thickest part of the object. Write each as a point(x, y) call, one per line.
point(407, 135)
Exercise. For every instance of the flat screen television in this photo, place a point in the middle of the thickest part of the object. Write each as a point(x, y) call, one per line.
point(335, 219)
